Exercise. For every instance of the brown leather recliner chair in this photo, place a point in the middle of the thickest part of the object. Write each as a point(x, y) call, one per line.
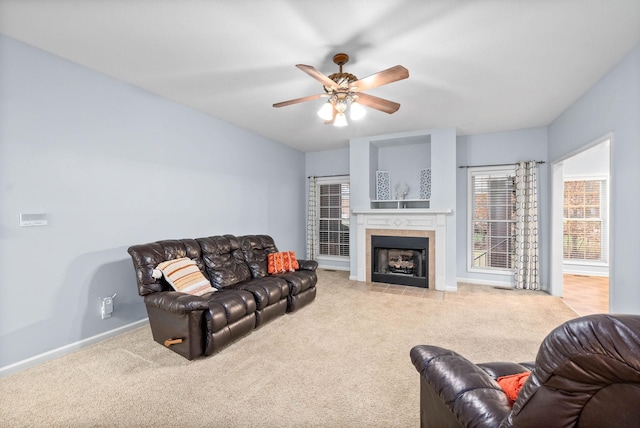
point(586, 374)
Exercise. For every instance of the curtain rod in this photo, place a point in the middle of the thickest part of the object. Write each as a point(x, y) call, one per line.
point(497, 164)
point(327, 176)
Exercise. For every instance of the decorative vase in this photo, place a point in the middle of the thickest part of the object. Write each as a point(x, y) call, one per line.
point(401, 191)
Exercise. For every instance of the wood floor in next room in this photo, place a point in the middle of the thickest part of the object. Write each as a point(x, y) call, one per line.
point(586, 294)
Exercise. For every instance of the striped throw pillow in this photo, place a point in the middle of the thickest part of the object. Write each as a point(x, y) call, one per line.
point(284, 261)
point(184, 276)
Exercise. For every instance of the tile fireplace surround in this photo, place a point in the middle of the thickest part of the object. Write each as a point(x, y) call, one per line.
point(404, 222)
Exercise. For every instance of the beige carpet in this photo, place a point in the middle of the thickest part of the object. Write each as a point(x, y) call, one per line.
point(342, 361)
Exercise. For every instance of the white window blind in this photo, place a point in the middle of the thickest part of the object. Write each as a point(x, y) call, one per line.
point(584, 219)
point(492, 219)
point(334, 219)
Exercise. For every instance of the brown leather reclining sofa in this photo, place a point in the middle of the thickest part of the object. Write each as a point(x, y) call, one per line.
point(586, 374)
point(247, 296)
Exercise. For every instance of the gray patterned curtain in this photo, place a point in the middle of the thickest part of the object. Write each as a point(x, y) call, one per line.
point(312, 219)
point(527, 260)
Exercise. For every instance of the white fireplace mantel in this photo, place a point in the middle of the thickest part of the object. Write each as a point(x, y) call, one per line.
point(403, 211)
point(407, 220)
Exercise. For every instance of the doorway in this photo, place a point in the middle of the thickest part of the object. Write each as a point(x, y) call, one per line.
point(586, 294)
point(580, 228)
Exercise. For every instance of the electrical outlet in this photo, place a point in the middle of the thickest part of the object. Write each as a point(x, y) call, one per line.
point(107, 306)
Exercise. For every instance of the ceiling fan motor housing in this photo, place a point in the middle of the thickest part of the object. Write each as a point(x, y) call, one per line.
point(342, 79)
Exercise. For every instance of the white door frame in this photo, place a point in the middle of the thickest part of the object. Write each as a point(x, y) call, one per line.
point(557, 202)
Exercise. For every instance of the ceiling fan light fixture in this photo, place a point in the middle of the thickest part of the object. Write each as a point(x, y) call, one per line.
point(357, 111)
point(341, 120)
point(326, 111)
point(345, 89)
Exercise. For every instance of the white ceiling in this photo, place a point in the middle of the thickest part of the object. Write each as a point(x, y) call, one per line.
point(480, 66)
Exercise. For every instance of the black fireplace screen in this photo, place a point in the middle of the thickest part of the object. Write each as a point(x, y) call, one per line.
point(400, 260)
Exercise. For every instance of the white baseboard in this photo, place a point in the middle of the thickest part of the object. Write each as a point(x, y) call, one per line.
point(353, 277)
point(499, 284)
point(67, 349)
point(331, 267)
point(582, 272)
point(505, 284)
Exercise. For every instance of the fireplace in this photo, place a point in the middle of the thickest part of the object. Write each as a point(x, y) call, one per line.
point(400, 260)
point(429, 223)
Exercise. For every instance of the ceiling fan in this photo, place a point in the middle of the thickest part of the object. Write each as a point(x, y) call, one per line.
point(344, 90)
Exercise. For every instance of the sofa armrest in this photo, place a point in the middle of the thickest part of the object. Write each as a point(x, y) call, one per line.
point(471, 394)
point(499, 369)
point(176, 302)
point(308, 264)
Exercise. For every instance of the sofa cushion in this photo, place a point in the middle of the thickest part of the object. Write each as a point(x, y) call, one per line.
point(284, 261)
point(146, 258)
point(223, 260)
point(268, 244)
point(266, 291)
point(299, 280)
point(183, 275)
point(255, 255)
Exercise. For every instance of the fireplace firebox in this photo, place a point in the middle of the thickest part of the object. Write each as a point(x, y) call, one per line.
point(400, 260)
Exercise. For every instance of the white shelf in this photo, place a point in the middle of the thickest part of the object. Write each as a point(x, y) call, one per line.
point(400, 203)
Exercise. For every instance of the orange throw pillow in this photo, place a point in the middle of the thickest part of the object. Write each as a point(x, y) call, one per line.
point(284, 261)
point(512, 384)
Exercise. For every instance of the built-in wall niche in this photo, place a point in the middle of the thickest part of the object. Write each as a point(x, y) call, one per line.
point(406, 162)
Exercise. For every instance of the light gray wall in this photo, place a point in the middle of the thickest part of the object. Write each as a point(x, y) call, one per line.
point(363, 161)
point(498, 148)
point(327, 163)
point(612, 105)
point(404, 163)
point(593, 162)
point(112, 166)
point(443, 191)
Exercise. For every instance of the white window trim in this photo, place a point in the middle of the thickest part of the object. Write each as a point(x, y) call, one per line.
point(604, 214)
point(499, 170)
point(338, 179)
point(331, 258)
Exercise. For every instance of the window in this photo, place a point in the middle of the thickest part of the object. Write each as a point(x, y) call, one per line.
point(584, 220)
point(333, 217)
point(492, 213)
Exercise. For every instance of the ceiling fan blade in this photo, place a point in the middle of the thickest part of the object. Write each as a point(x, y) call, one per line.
point(299, 100)
point(389, 75)
point(378, 103)
point(311, 71)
